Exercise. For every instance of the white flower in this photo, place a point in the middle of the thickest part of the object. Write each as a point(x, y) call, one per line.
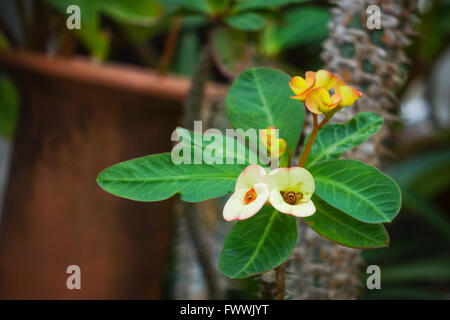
point(250, 194)
point(291, 190)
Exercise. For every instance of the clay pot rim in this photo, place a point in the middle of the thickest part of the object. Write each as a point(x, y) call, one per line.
point(112, 75)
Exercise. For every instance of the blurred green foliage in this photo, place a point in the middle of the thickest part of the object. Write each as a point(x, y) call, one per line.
point(247, 21)
point(299, 26)
point(244, 5)
point(187, 51)
point(143, 12)
point(230, 47)
point(4, 43)
point(422, 178)
point(9, 103)
point(417, 265)
point(202, 6)
point(435, 24)
point(141, 21)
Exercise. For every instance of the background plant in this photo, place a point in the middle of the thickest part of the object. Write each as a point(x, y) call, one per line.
point(352, 198)
point(143, 45)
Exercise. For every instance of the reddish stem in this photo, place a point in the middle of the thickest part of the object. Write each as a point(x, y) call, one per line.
point(170, 45)
point(311, 139)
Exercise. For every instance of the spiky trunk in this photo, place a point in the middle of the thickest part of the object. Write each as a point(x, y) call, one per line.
point(374, 62)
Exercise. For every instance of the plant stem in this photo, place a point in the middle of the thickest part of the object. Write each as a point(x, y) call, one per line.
point(202, 250)
point(190, 212)
point(311, 138)
point(170, 45)
point(324, 122)
point(308, 146)
point(273, 284)
point(315, 120)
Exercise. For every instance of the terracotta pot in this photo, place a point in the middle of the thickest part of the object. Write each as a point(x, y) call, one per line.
point(77, 118)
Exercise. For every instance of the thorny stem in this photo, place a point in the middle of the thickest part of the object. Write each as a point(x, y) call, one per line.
point(273, 284)
point(311, 139)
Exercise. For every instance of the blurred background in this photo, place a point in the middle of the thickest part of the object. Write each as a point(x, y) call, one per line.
point(73, 102)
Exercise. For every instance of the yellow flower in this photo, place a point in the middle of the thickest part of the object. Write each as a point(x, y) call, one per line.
point(319, 100)
point(302, 87)
point(317, 97)
point(275, 147)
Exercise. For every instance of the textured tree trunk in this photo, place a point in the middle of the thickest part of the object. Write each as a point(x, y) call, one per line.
point(197, 274)
point(373, 61)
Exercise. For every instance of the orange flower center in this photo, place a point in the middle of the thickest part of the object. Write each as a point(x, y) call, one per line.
point(291, 197)
point(250, 196)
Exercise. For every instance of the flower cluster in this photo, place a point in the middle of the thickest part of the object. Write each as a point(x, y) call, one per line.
point(289, 190)
point(315, 90)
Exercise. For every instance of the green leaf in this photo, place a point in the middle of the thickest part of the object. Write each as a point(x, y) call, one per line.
point(96, 42)
point(258, 244)
point(428, 211)
point(336, 226)
point(90, 35)
point(427, 174)
point(334, 139)
point(436, 270)
point(195, 5)
point(142, 12)
point(357, 189)
point(90, 18)
point(231, 150)
point(187, 53)
point(247, 21)
point(229, 46)
point(299, 27)
point(421, 178)
point(156, 177)
point(9, 104)
point(219, 5)
point(399, 248)
point(259, 98)
point(263, 4)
